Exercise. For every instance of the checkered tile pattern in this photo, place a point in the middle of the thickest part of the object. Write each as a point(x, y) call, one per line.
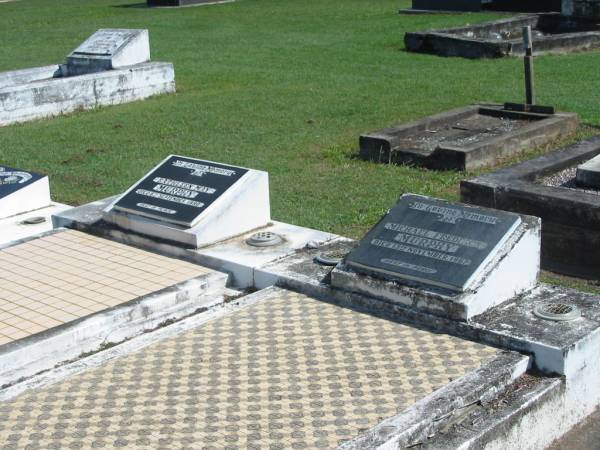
point(56, 279)
point(286, 372)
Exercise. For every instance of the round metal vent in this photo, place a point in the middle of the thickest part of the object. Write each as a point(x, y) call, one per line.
point(264, 239)
point(33, 220)
point(332, 258)
point(557, 311)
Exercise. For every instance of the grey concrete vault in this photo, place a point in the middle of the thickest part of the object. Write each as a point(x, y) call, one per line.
point(465, 138)
point(545, 187)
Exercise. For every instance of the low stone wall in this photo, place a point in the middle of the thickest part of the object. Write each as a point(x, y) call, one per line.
point(36, 99)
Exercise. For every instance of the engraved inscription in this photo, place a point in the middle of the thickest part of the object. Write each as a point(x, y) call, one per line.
point(405, 265)
point(199, 170)
point(480, 245)
point(169, 198)
point(421, 252)
point(105, 42)
point(453, 215)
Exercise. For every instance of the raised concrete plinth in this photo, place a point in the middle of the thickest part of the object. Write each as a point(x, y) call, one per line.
point(588, 174)
point(570, 216)
point(233, 256)
point(512, 271)
point(28, 224)
point(67, 293)
point(36, 99)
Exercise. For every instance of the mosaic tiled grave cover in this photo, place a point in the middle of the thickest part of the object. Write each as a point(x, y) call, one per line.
point(179, 190)
point(433, 241)
point(67, 275)
point(285, 372)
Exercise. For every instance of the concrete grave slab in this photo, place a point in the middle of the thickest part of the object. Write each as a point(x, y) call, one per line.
point(234, 256)
point(110, 48)
point(329, 372)
point(29, 224)
point(193, 202)
point(588, 174)
point(59, 89)
point(545, 187)
point(553, 33)
point(22, 191)
point(479, 284)
point(68, 293)
point(465, 138)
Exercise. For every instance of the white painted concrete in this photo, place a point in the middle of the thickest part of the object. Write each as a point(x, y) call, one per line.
point(55, 96)
point(109, 48)
point(34, 195)
point(241, 208)
point(13, 229)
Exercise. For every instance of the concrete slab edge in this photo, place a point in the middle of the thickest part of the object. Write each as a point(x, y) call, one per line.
point(431, 413)
point(28, 356)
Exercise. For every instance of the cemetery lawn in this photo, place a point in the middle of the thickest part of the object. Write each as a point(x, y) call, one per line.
point(284, 86)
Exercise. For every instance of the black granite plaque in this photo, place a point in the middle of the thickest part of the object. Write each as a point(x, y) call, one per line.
point(434, 242)
point(179, 190)
point(11, 180)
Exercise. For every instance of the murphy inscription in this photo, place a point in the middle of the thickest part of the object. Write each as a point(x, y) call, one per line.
point(179, 190)
point(433, 242)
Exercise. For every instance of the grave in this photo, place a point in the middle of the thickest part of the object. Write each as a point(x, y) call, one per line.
point(553, 33)
point(111, 67)
point(177, 3)
point(466, 138)
point(25, 204)
point(444, 258)
point(65, 293)
point(546, 187)
point(194, 202)
point(588, 174)
point(210, 213)
point(444, 6)
point(22, 191)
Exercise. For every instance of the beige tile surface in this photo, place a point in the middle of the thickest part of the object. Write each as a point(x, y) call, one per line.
point(59, 278)
point(286, 372)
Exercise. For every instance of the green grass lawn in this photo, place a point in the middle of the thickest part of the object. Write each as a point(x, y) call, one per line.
point(284, 86)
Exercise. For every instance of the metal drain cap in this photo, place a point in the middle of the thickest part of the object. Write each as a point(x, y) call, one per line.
point(558, 312)
point(33, 220)
point(264, 239)
point(330, 258)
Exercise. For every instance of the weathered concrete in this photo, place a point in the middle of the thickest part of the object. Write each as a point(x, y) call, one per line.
point(40, 351)
point(558, 348)
point(28, 224)
point(517, 260)
point(54, 96)
point(588, 9)
point(233, 256)
point(570, 217)
point(402, 144)
point(108, 49)
point(554, 34)
point(588, 174)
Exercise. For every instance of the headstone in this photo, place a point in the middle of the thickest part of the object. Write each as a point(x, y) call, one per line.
point(433, 242)
point(180, 190)
point(22, 191)
point(588, 174)
point(109, 49)
point(194, 202)
point(583, 9)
